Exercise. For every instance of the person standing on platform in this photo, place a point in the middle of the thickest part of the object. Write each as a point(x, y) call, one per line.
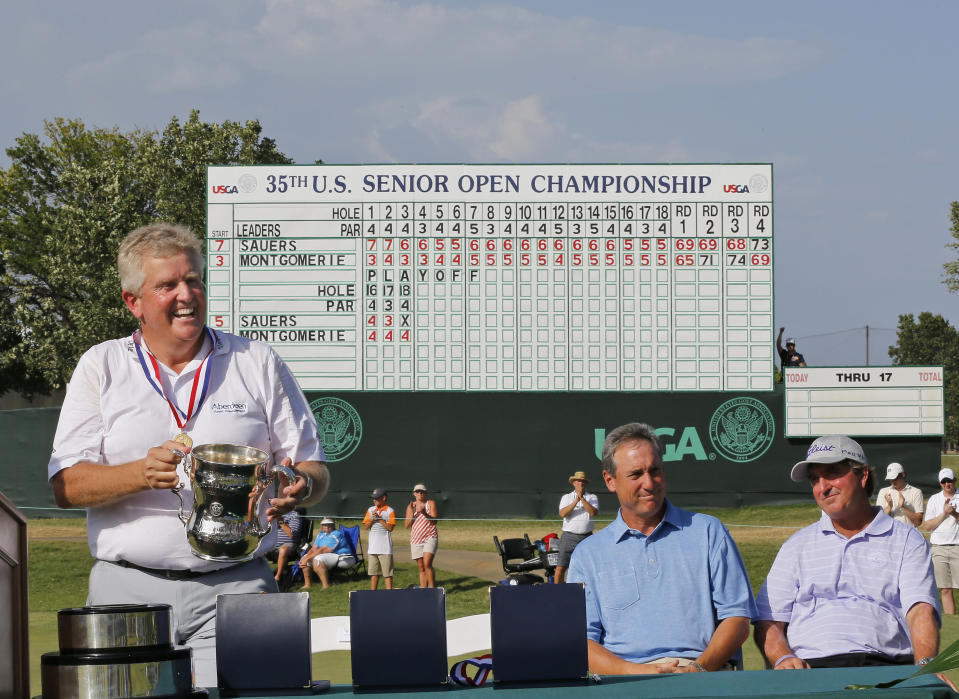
point(942, 520)
point(421, 517)
point(666, 589)
point(380, 520)
point(855, 588)
point(788, 356)
point(900, 500)
point(577, 510)
point(136, 403)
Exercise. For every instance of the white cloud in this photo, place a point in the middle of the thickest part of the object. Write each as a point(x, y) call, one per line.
point(431, 47)
point(512, 131)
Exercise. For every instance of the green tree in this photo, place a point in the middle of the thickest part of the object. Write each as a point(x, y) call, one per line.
point(66, 201)
point(931, 340)
point(951, 279)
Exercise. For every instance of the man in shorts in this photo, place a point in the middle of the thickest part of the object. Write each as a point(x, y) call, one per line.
point(942, 520)
point(577, 510)
point(380, 520)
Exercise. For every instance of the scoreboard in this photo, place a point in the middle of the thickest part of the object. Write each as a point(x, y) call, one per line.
point(499, 277)
point(864, 401)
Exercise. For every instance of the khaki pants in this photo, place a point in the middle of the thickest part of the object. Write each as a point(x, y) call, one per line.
point(193, 602)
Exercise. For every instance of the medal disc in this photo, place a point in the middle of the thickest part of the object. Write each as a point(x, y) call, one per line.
point(184, 439)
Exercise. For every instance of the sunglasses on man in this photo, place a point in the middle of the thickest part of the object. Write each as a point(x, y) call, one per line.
point(947, 480)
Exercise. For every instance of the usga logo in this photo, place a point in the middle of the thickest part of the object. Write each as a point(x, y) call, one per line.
point(688, 444)
point(225, 189)
point(740, 430)
point(736, 188)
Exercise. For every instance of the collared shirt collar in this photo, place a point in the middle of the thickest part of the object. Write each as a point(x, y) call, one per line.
point(880, 524)
point(621, 530)
point(220, 348)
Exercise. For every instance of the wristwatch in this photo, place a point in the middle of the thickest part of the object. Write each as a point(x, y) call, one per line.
point(926, 660)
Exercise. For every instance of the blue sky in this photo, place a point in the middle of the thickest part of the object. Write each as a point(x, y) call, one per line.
point(854, 103)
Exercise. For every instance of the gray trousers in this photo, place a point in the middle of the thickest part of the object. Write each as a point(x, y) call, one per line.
point(193, 602)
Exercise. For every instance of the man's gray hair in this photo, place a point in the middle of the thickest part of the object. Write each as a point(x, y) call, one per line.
point(155, 240)
point(629, 432)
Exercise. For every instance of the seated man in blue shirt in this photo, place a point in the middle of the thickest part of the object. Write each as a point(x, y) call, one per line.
point(330, 549)
point(666, 589)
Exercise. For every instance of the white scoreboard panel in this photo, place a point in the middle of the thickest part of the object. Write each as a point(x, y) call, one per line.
point(864, 401)
point(499, 277)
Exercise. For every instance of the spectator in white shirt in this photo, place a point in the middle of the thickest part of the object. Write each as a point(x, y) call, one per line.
point(900, 500)
point(577, 510)
point(942, 520)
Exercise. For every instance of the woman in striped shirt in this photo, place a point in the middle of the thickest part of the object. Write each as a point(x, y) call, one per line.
point(421, 521)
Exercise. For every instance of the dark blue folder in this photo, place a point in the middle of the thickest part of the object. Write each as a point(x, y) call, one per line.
point(538, 633)
point(398, 637)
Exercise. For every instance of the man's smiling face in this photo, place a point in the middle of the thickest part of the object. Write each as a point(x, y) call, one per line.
point(836, 487)
point(171, 306)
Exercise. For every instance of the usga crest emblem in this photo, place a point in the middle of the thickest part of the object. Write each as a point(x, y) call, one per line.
point(339, 426)
point(742, 429)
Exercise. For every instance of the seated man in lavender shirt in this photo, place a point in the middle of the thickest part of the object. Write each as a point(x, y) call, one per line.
point(856, 587)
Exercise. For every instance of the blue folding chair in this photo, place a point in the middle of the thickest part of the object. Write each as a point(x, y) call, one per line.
point(353, 537)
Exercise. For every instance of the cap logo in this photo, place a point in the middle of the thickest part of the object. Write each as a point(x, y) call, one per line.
point(815, 448)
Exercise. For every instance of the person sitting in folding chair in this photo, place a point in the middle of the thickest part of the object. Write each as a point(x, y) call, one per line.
point(330, 550)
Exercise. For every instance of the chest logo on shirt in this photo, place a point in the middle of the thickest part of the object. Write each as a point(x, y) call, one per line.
point(339, 426)
point(225, 407)
point(742, 429)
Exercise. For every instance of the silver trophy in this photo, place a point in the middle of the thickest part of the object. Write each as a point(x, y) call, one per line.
point(229, 482)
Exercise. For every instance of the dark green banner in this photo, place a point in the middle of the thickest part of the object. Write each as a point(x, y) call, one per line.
point(510, 454)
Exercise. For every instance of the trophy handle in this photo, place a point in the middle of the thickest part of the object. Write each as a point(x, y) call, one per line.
point(176, 490)
point(290, 477)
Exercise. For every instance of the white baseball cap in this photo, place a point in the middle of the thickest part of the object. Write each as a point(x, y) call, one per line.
point(946, 473)
point(828, 449)
point(790, 340)
point(328, 520)
point(894, 470)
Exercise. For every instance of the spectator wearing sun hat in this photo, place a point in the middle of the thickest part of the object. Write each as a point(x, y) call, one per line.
point(942, 520)
point(421, 516)
point(900, 500)
point(330, 550)
point(577, 510)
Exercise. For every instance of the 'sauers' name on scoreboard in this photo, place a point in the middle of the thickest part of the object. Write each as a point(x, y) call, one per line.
point(267, 321)
point(267, 245)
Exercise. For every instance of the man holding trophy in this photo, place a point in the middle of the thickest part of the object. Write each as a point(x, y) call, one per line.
point(133, 411)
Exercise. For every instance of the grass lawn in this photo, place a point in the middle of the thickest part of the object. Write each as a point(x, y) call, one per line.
point(60, 562)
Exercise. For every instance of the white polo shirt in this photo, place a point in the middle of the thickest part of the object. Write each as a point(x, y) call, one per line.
point(112, 415)
point(579, 521)
point(947, 532)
